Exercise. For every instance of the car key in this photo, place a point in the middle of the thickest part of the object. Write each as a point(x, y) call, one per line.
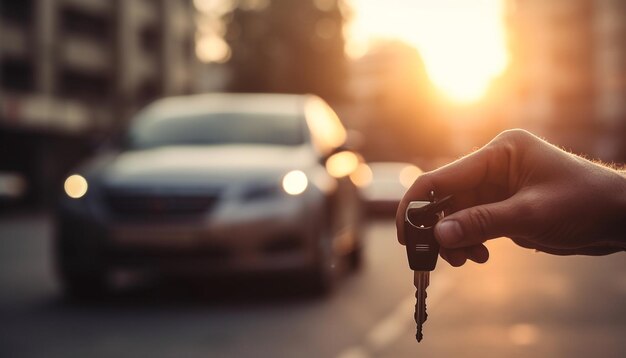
point(422, 248)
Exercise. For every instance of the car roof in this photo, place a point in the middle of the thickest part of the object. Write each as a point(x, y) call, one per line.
point(198, 104)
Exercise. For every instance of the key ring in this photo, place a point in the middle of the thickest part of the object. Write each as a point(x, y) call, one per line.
point(423, 214)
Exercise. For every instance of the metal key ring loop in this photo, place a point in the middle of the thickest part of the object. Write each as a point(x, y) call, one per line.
point(418, 205)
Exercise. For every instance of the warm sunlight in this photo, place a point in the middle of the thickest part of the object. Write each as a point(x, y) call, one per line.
point(462, 42)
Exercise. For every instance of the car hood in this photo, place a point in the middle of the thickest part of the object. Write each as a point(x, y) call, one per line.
point(204, 165)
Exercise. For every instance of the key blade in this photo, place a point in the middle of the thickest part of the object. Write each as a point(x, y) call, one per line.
point(420, 280)
point(419, 320)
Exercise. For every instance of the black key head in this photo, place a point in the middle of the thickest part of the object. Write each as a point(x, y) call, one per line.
point(419, 223)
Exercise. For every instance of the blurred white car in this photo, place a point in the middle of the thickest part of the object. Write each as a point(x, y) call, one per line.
point(216, 183)
point(383, 184)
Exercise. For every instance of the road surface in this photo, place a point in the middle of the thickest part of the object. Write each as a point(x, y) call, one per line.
point(519, 304)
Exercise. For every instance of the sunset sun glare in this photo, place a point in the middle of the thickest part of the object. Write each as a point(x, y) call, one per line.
point(461, 42)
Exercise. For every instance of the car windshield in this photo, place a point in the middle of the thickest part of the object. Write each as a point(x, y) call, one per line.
point(217, 128)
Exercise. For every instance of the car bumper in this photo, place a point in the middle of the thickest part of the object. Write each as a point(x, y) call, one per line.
point(281, 238)
point(250, 247)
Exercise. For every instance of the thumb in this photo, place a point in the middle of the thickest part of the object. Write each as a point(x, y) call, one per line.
point(475, 225)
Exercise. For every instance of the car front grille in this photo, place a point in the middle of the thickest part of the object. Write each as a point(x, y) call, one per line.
point(138, 205)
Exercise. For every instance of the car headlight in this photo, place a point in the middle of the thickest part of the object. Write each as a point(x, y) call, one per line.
point(75, 186)
point(295, 182)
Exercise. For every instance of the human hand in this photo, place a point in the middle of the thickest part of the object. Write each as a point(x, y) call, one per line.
point(524, 188)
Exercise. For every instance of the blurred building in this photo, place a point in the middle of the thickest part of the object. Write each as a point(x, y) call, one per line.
point(287, 46)
point(569, 72)
point(72, 68)
point(395, 105)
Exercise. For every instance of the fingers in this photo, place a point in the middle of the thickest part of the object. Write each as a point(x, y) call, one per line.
point(455, 258)
point(458, 257)
point(489, 164)
point(478, 253)
point(435, 180)
point(475, 225)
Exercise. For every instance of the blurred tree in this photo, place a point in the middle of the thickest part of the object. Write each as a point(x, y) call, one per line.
point(287, 46)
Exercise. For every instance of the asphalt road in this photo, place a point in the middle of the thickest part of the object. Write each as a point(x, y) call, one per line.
point(519, 304)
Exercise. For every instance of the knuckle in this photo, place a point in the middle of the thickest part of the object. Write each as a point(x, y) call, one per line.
point(511, 143)
point(513, 138)
point(515, 134)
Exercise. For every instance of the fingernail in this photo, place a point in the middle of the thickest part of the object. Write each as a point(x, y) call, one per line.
point(449, 232)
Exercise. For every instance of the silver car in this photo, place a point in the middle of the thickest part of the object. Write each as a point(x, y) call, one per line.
point(215, 183)
point(384, 185)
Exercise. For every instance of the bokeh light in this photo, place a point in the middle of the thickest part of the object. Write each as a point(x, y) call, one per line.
point(295, 182)
point(75, 186)
point(362, 176)
point(212, 48)
point(341, 164)
point(408, 175)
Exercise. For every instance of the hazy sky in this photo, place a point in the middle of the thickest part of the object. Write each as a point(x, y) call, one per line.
point(462, 41)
